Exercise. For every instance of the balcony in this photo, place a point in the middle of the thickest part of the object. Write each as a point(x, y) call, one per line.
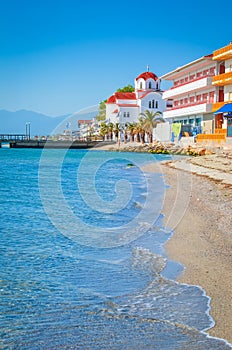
point(218, 105)
point(224, 53)
point(196, 85)
point(222, 79)
point(186, 110)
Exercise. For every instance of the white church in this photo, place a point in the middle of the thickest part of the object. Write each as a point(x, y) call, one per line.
point(126, 107)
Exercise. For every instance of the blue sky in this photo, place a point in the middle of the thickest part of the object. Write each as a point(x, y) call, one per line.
point(57, 57)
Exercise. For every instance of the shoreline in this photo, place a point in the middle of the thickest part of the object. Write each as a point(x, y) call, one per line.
point(198, 208)
point(202, 240)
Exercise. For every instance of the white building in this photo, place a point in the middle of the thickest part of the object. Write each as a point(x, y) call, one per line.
point(126, 107)
point(193, 94)
point(85, 127)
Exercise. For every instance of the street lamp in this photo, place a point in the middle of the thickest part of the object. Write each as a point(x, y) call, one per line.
point(28, 130)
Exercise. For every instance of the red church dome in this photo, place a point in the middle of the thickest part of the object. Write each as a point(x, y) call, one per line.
point(147, 75)
point(111, 99)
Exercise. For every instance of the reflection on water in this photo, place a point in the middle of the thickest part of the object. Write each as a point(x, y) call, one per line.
point(59, 294)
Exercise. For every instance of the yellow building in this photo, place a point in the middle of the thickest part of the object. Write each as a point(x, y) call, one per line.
point(223, 82)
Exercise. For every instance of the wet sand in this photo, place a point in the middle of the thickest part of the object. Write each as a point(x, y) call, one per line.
point(199, 210)
point(198, 207)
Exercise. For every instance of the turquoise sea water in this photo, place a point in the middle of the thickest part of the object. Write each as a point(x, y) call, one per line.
point(82, 258)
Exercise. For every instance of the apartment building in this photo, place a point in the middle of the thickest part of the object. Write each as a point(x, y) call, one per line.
point(223, 84)
point(193, 94)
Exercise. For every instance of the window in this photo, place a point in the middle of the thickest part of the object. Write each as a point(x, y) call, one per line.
point(186, 79)
point(211, 97)
point(157, 86)
point(191, 99)
point(192, 77)
point(128, 114)
point(149, 104)
point(205, 97)
point(199, 74)
point(185, 101)
point(149, 85)
point(124, 114)
point(198, 98)
point(205, 72)
point(211, 71)
point(181, 102)
point(156, 104)
point(153, 103)
point(198, 121)
point(141, 85)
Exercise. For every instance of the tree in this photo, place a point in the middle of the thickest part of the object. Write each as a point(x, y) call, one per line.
point(101, 111)
point(127, 88)
point(141, 130)
point(137, 132)
point(116, 130)
point(149, 120)
point(104, 130)
point(110, 130)
point(131, 128)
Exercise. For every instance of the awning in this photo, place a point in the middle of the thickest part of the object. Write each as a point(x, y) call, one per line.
point(227, 108)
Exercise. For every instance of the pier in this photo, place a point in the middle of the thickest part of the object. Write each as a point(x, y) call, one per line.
point(23, 141)
point(13, 137)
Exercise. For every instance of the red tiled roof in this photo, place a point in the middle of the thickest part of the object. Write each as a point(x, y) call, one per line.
point(147, 75)
point(121, 96)
point(208, 56)
point(125, 95)
point(83, 121)
point(111, 99)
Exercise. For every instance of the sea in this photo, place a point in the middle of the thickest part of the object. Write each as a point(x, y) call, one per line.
point(83, 260)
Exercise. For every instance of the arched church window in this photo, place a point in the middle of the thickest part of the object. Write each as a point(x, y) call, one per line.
point(149, 104)
point(149, 85)
point(157, 86)
point(153, 103)
point(141, 85)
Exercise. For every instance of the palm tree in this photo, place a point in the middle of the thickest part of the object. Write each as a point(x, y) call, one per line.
point(131, 128)
point(141, 130)
point(110, 130)
point(149, 120)
point(116, 130)
point(104, 130)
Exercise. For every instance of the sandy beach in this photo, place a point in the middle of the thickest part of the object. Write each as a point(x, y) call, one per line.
point(198, 207)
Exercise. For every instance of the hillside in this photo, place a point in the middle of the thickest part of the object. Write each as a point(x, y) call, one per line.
point(40, 124)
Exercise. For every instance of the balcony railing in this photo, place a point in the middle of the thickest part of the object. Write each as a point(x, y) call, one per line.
point(224, 53)
point(192, 80)
point(222, 79)
point(196, 85)
point(188, 105)
point(189, 109)
point(218, 105)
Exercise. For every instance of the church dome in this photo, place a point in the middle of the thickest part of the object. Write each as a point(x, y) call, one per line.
point(146, 76)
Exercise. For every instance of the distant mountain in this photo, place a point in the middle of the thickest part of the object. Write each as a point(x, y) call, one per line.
point(40, 124)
